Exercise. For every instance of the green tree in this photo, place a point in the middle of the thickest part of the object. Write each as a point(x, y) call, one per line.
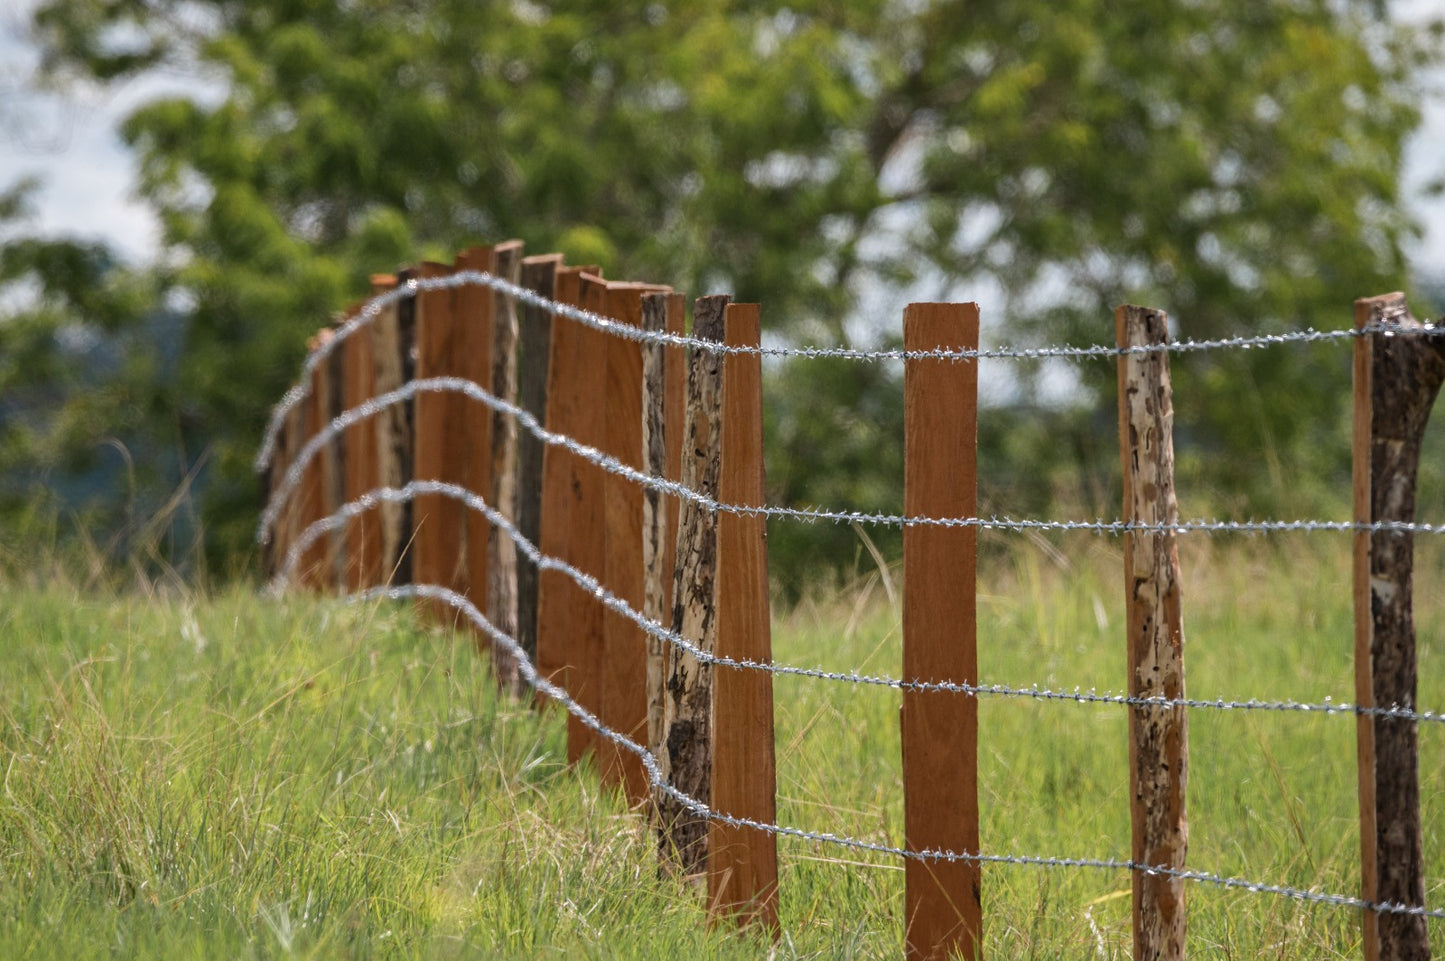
point(1234, 163)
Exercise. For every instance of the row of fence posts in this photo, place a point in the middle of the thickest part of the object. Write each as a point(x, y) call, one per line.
point(696, 417)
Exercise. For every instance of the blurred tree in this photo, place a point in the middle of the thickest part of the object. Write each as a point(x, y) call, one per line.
point(1235, 163)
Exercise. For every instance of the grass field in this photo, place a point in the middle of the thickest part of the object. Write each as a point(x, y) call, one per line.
point(195, 774)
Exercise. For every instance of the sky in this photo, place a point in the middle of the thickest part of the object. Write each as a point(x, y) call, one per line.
point(88, 175)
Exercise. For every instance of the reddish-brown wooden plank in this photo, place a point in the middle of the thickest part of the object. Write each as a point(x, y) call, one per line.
point(743, 862)
point(474, 305)
point(624, 659)
point(437, 520)
point(943, 909)
point(501, 551)
point(318, 561)
point(1398, 374)
point(363, 566)
point(393, 334)
point(1158, 736)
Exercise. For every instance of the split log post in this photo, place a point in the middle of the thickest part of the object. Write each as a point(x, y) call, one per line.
point(474, 305)
point(1158, 735)
point(363, 532)
point(583, 642)
point(334, 465)
point(318, 561)
point(561, 605)
point(662, 449)
point(743, 862)
point(685, 760)
point(437, 521)
point(624, 654)
point(943, 900)
point(1398, 373)
point(534, 339)
point(501, 551)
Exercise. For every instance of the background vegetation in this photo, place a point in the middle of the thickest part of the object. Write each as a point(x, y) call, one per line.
point(1236, 164)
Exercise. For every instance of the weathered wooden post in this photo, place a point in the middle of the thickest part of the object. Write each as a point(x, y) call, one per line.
point(1398, 372)
point(1158, 734)
point(685, 758)
point(318, 561)
point(394, 332)
point(501, 552)
point(743, 861)
point(534, 341)
point(940, 728)
point(474, 305)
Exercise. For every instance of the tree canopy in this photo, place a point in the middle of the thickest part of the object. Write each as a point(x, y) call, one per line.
point(1236, 164)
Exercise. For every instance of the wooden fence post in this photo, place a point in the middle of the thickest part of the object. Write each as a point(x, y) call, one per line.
point(1158, 735)
point(940, 728)
point(437, 521)
point(363, 532)
point(394, 332)
point(587, 546)
point(474, 305)
point(562, 608)
point(1398, 373)
point(624, 657)
point(501, 552)
point(534, 340)
point(318, 561)
point(663, 384)
point(685, 742)
point(743, 861)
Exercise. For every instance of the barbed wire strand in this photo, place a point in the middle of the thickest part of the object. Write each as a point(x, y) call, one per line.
point(282, 491)
point(373, 307)
point(594, 587)
point(698, 808)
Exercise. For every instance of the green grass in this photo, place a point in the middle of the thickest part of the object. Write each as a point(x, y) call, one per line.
point(214, 775)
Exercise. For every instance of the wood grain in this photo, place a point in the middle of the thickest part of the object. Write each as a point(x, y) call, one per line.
point(943, 904)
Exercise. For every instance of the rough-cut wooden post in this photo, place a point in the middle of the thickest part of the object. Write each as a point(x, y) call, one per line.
point(363, 532)
point(659, 441)
point(560, 602)
point(437, 521)
point(474, 305)
point(685, 761)
point(394, 336)
point(1158, 736)
point(742, 862)
point(334, 467)
point(588, 548)
point(940, 729)
point(318, 561)
point(624, 659)
point(1398, 373)
point(501, 552)
point(534, 340)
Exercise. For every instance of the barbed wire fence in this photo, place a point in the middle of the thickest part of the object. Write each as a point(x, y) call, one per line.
point(305, 510)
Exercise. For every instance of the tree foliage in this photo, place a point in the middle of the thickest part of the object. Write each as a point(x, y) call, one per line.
point(1237, 164)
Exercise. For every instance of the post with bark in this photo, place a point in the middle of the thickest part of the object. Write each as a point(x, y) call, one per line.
point(685, 741)
point(561, 605)
point(662, 449)
point(743, 861)
point(1158, 734)
point(475, 305)
point(940, 728)
point(1399, 368)
point(534, 339)
point(363, 532)
point(501, 551)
